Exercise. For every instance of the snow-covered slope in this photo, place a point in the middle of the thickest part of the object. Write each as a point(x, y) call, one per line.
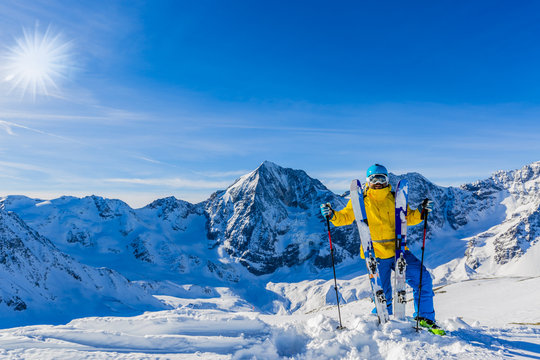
point(41, 284)
point(507, 242)
point(511, 246)
point(165, 240)
point(223, 326)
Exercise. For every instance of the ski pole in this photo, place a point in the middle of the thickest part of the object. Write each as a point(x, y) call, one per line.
point(424, 216)
point(340, 327)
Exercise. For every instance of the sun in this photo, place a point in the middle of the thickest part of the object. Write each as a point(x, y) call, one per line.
point(36, 63)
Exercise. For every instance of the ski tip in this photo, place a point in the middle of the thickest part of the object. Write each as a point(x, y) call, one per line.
point(403, 184)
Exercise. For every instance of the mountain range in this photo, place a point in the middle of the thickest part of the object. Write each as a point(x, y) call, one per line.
point(264, 226)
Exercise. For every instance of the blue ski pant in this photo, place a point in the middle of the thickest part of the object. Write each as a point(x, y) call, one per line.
point(412, 276)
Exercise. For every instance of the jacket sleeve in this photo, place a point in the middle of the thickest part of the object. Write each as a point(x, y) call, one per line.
point(414, 217)
point(344, 217)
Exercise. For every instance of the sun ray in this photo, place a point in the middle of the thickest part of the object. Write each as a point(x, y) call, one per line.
point(37, 62)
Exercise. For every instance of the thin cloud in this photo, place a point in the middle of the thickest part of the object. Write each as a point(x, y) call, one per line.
point(7, 128)
point(22, 166)
point(102, 113)
point(340, 174)
point(337, 186)
point(11, 125)
point(176, 183)
point(223, 173)
point(283, 128)
point(153, 161)
point(42, 116)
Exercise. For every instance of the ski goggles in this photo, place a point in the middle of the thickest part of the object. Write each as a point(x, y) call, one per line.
point(378, 179)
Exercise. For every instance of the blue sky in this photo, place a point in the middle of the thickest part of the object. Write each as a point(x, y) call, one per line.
point(160, 98)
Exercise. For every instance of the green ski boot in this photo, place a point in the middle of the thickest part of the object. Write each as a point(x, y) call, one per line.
point(431, 326)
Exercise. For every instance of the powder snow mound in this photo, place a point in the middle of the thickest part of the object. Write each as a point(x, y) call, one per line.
point(40, 283)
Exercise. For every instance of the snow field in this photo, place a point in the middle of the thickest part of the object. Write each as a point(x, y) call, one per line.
point(225, 326)
point(491, 302)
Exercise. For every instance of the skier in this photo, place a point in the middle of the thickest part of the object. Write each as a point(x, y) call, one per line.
point(380, 206)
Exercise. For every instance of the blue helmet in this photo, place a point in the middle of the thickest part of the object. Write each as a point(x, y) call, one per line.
point(376, 169)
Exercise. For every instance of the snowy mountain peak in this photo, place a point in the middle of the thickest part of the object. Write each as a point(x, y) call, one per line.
point(166, 201)
point(269, 166)
point(171, 206)
point(521, 186)
point(271, 180)
point(526, 179)
point(267, 218)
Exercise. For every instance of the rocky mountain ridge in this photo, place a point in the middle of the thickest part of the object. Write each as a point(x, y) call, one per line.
point(520, 230)
point(270, 219)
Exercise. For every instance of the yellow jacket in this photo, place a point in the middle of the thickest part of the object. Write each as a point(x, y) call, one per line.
point(380, 211)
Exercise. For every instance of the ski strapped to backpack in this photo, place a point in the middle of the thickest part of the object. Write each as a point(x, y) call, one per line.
point(371, 262)
point(399, 297)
